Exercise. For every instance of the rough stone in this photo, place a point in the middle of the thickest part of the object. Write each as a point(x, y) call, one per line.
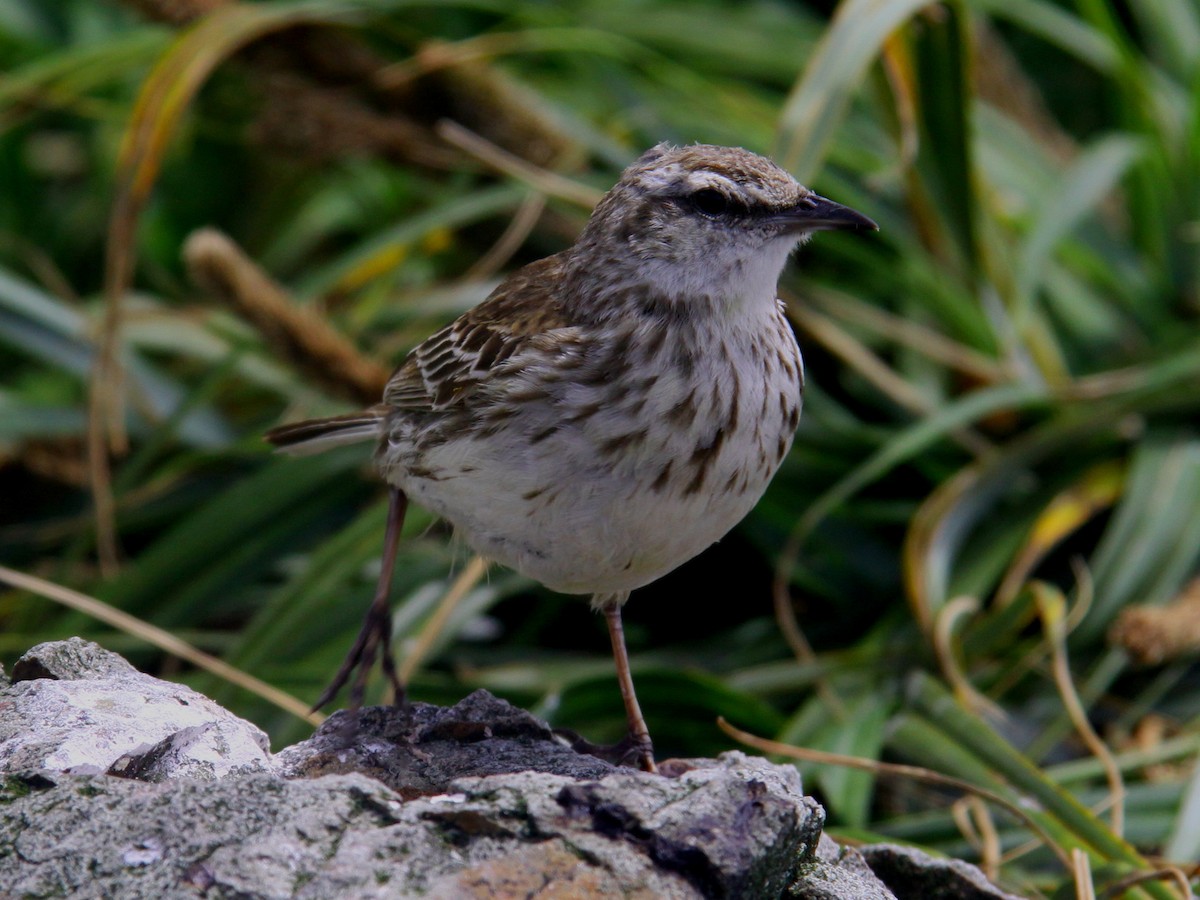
point(253, 836)
point(915, 875)
point(478, 800)
point(837, 872)
point(422, 748)
point(259, 836)
point(71, 660)
point(74, 707)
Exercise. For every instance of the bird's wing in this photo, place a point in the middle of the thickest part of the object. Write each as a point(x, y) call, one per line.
point(445, 370)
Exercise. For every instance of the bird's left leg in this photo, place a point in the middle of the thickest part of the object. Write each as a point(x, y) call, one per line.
point(377, 625)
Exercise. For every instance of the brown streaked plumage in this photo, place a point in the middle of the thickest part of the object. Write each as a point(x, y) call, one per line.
point(588, 423)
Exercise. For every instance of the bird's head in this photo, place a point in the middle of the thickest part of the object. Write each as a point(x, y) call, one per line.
point(704, 220)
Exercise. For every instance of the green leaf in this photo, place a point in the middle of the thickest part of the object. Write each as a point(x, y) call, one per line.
point(1184, 842)
point(817, 104)
point(848, 791)
point(1091, 178)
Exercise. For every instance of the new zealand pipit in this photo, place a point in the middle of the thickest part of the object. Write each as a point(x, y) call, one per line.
point(609, 411)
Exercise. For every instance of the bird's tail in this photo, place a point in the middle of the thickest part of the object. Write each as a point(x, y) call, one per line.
point(318, 435)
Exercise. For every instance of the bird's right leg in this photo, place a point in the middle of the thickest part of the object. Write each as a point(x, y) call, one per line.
point(639, 735)
point(636, 745)
point(377, 625)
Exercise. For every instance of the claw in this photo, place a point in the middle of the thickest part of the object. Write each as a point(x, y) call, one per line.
point(629, 751)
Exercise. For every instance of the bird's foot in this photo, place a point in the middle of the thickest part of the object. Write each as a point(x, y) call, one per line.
point(632, 750)
point(374, 641)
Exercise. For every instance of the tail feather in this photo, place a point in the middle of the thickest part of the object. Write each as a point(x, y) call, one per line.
point(318, 435)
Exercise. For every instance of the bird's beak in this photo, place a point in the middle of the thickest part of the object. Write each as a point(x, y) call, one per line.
point(815, 213)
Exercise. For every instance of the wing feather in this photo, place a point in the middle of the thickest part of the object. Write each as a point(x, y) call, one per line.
point(446, 369)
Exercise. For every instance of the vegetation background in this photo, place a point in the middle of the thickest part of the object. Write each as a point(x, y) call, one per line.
point(990, 520)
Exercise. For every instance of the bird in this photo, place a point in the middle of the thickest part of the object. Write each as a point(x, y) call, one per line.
point(607, 412)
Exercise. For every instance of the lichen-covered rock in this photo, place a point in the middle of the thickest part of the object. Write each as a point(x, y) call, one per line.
point(75, 707)
point(478, 800)
point(732, 828)
point(838, 872)
point(735, 827)
point(252, 836)
point(71, 660)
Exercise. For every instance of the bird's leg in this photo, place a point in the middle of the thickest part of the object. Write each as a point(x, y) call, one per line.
point(639, 734)
point(377, 624)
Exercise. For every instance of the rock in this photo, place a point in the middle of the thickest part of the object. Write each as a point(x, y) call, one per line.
point(478, 800)
point(251, 836)
point(71, 660)
point(75, 707)
point(421, 749)
point(256, 835)
point(259, 836)
point(914, 875)
point(734, 827)
point(840, 872)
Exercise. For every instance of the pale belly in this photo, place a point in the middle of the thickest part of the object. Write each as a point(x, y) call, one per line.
point(594, 532)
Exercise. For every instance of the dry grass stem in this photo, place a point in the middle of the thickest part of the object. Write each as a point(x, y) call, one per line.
point(1051, 607)
point(102, 408)
point(41, 265)
point(1036, 654)
point(855, 354)
point(157, 637)
point(960, 812)
point(436, 624)
point(989, 858)
point(437, 55)
point(897, 63)
point(910, 333)
point(973, 819)
point(500, 160)
point(55, 459)
point(1085, 887)
point(915, 773)
point(1170, 873)
point(785, 616)
point(484, 99)
point(943, 646)
point(325, 93)
point(1069, 510)
point(299, 335)
point(518, 229)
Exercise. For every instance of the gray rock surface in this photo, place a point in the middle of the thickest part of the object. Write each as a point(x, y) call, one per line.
point(425, 747)
point(916, 875)
point(839, 872)
point(75, 707)
point(730, 828)
point(478, 800)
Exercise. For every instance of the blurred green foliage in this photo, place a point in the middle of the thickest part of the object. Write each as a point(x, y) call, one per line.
point(1000, 442)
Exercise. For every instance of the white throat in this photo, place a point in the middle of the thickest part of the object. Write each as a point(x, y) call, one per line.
point(739, 282)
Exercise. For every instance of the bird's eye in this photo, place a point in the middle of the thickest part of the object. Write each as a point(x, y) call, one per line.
point(711, 203)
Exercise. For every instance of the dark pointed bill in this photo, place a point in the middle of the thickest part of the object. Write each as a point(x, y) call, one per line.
point(815, 213)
